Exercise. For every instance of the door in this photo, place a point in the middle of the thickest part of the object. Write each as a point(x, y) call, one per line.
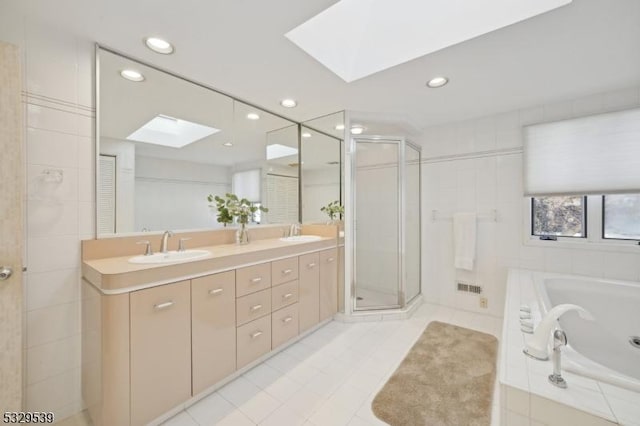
point(378, 206)
point(328, 283)
point(160, 350)
point(11, 225)
point(213, 329)
point(309, 293)
point(413, 234)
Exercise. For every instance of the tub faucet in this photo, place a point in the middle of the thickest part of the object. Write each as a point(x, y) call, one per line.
point(165, 239)
point(537, 345)
point(559, 340)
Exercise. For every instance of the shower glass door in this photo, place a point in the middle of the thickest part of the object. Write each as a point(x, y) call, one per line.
point(377, 224)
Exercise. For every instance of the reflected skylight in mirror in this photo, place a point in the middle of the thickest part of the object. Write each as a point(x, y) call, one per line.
point(170, 131)
point(277, 150)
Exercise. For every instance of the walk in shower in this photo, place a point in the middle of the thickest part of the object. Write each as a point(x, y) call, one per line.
point(386, 222)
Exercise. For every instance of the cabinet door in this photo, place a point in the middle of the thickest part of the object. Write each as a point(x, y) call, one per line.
point(160, 350)
point(213, 329)
point(253, 306)
point(309, 292)
point(328, 283)
point(254, 278)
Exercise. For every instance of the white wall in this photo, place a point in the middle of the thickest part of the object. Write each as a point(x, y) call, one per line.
point(172, 194)
point(58, 98)
point(477, 166)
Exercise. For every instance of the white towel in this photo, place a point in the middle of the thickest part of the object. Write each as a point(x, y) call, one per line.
point(464, 240)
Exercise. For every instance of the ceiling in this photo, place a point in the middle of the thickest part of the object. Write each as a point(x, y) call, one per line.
point(239, 47)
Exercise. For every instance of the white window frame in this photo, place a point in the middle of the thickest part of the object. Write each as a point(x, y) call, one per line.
point(593, 241)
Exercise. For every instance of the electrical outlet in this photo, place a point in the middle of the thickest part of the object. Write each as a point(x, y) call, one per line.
point(484, 302)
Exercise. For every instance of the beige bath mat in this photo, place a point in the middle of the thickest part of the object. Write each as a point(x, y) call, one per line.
point(446, 379)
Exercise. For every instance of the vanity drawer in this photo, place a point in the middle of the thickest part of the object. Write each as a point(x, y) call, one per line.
point(284, 270)
point(284, 295)
point(253, 278)
point(284, 325)
point(254, 340)
point(253, 306)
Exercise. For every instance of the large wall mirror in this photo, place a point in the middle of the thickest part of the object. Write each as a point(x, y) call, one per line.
point(322, 166)
point(165, 143)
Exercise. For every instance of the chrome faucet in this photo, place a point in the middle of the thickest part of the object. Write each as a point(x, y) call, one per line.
point(294, 230)
point(559, 340)
point(537, 345)
point(165, 239)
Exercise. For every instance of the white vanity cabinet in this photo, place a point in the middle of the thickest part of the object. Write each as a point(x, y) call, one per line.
point(309, 265)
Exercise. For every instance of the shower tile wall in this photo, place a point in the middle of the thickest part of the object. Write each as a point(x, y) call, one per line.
point(58, 100)
point(493, 180)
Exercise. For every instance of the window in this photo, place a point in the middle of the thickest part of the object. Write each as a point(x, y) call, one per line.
point(559, 216)
point(621, 217)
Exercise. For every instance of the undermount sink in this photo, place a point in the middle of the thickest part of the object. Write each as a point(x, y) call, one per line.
point(171, 256)
point(301, 238)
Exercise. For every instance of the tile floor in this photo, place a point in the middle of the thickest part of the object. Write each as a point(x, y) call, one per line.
point(329, 378)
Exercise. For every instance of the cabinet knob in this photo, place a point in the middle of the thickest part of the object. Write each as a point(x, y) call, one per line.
point(256, 280)
point(329, 260)
point(164, 305)
point(287, 320)
point(215, 291)
point(287, 296)
point(286, 271)
point(256, 308)
point(256, 334)
point(311, 265)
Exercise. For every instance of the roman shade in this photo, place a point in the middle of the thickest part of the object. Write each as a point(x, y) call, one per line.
point(598, 154)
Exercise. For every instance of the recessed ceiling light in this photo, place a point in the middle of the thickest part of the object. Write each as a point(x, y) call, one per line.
point(339, 127)
point(159, 45)
point(253, 116)
point(288, 103)
point(132, 75)
point(172, 132)
point(306, 135)
point(357, 130)
point(227, 144)
point(436, 82)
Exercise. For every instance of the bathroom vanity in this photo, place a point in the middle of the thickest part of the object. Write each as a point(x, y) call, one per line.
point(157, 336)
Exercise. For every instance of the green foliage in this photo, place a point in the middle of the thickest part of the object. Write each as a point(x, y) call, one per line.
point(232, 208)
point(333, 209)
point(561, 216)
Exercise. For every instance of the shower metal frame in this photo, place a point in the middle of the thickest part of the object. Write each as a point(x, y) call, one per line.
point(401, 185)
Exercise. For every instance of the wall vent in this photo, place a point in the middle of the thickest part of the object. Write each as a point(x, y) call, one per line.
point(469, 288)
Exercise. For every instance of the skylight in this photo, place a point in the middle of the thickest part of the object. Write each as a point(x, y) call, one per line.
point(169, 131)
point(357, 38)
point(278, 151)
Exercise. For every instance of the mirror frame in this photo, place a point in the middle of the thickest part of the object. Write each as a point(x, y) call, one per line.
point(98, 47)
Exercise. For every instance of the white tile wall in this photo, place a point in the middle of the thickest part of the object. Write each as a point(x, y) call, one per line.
point(59, 135)
point(468, 181)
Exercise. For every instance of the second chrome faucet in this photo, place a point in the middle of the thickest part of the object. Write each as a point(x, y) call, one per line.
point(164, 241)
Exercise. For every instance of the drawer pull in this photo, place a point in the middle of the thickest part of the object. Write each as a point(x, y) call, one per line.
point(329, 260)
point(256, 308)
point(256, 280)
point(287, 271)
point(287, 319)
point(311, 265)
point(256, 334)
point(164, 305)
point(215, 291)
point(287, 296)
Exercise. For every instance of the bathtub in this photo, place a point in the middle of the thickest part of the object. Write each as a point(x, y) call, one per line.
point(599, 349)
